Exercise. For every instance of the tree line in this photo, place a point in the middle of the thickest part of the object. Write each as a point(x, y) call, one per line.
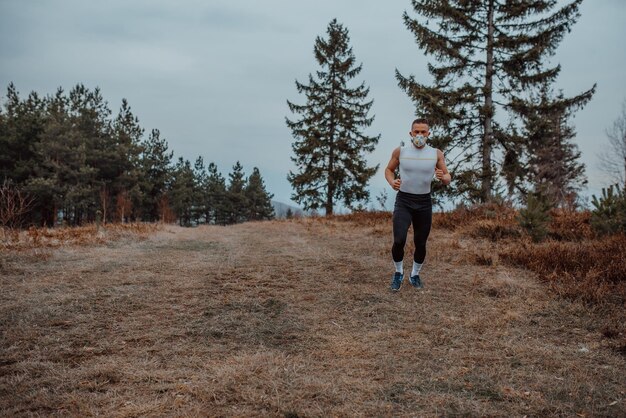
point(491, 104)
point(68, 160)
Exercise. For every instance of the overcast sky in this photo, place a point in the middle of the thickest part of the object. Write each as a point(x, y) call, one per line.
point(214, 76)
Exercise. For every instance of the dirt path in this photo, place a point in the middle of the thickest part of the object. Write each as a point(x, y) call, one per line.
point(292, 318)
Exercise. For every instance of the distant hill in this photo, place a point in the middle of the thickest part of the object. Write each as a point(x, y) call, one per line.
point(280, 209)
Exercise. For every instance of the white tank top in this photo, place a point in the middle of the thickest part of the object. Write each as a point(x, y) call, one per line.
point(417, 168)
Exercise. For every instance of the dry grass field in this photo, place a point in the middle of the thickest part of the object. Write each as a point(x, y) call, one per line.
point(294, 318)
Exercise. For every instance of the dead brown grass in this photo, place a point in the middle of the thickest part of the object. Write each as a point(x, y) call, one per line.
point(14, 239)
point(570, 226)
point(593, 270)
point(293, 318)
point(575, 262)
point(461, 217)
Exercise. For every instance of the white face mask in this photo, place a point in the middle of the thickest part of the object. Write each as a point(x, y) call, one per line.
point(418, 140)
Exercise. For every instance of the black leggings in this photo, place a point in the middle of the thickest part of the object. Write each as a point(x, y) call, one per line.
point(416, 209)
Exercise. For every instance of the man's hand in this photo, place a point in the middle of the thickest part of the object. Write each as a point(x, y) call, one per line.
point(439, 174)
point(396, 184)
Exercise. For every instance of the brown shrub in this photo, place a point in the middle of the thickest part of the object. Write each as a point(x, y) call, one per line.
point(481, 258)
point(464, 216)
point(570, 225)
point(593, 270)
point(78, 235)
point(363, 218)
point(492, 229)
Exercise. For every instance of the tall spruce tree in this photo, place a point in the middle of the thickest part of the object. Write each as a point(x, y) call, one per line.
point(201, 199)
point(57, 167)
point(216, 210)
point(260, 201)
point(236, 199)
point(155, 174)
point(488, 54)
point(546, 161)
point(127, 134)
point(182, 191)
point(24, 123)
point(330, 146)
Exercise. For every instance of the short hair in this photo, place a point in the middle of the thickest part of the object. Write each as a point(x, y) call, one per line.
point(420, 120)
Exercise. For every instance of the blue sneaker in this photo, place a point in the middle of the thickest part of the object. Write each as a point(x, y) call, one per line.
point(396, 282)
point(415, 281)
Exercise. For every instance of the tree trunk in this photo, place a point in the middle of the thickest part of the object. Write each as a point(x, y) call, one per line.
point(487, 175)
point(331, 148)
point(331, 186)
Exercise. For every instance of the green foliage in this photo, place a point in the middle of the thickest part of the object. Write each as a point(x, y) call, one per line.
point(609, 211)
point(534, 218)
point(73, 160)
point(330, 147)
point(156, 172)
point(183, 192)
point(544, 155)
point(260, 202)
point(217, 210)
point(237, 200)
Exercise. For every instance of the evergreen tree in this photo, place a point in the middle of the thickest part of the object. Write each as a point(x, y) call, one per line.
point(236, 204)
point(58, 168)
point(546, 160)
point(535, 217)
point(127, 134)
point(608, 215)
point(216, 209)
point(260, 201)
point(23, 124)
point(93, 163)
point(201, 198)
point(488, 54)
point(182, 192)
point(330, 146)
point(155, 174)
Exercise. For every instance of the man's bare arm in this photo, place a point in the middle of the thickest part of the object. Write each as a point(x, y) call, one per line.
point(393, 164)
point(441, 171)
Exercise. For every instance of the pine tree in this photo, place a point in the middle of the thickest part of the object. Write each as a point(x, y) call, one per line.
point(488, 53)
point(127, 134)
point(181, 191)
point(236, 199)
point(155, 174)
point(260, 201)
point(56, 172)
point(330, 146)
point(534, 218)
point(23, 123)
point(546, 160)
point(201, 199)
point(608, 215)
point(216, 210)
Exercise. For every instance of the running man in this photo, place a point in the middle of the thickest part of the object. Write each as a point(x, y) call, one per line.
point(418, 163)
